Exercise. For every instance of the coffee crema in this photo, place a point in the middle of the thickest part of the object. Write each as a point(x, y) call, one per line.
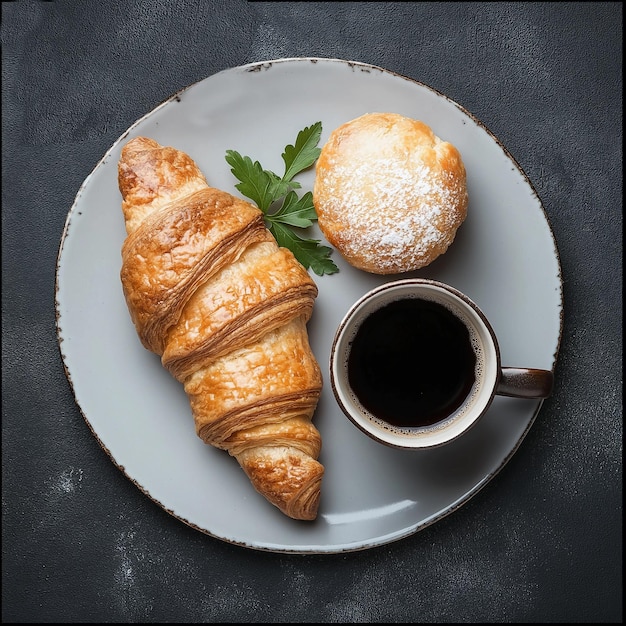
point(411, 363)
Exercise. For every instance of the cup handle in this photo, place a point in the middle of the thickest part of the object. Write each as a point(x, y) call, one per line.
point(518, 382)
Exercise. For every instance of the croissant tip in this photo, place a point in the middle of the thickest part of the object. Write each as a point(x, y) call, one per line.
point(306, 507)
point(138, 144)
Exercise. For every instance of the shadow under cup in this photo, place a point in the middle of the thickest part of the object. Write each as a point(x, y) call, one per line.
point(391, 348)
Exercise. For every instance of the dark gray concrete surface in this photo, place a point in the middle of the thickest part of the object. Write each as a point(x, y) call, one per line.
point(543, 541)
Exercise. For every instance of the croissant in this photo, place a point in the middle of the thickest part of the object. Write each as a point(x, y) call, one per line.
point(210, 291)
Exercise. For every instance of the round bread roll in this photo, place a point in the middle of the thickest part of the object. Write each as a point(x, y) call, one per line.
point(389, 194)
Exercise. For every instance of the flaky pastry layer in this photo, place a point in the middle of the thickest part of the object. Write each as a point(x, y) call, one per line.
point(210, 291)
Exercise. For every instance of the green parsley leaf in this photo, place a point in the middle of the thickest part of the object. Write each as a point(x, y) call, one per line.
point(308, 251)
point(256, 183)
point(295, 211)
point(277, 198)
point(301, 156)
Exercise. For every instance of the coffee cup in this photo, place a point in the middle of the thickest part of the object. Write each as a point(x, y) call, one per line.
point(415, 363)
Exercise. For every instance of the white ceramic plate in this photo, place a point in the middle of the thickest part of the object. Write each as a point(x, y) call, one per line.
point(504, 258)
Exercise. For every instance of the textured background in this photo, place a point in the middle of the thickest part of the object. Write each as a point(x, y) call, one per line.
point(542, 543)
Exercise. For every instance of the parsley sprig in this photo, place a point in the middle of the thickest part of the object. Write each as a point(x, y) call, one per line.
point(277, 198)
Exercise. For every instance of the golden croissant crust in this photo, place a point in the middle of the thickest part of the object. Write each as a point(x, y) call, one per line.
point(210, 291)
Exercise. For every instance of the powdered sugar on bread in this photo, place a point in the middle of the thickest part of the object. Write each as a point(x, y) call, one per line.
point(389, 194)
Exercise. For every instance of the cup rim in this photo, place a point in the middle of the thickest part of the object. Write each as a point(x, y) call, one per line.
point(387, 436)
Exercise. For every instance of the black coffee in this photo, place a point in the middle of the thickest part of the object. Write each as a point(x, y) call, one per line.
point(411, 363)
